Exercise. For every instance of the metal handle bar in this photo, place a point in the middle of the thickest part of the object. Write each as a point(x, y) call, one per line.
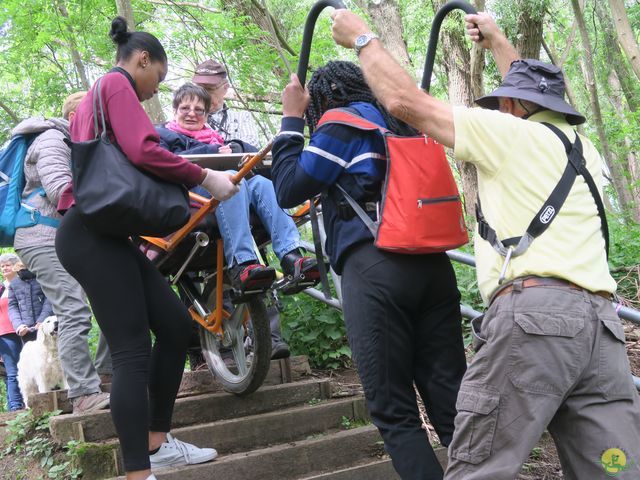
point(303, 61)
point(435, 33)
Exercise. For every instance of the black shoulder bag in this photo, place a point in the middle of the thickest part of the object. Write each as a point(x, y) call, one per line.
point(115, 197)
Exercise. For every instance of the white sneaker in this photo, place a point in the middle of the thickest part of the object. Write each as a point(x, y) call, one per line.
point(174, 453)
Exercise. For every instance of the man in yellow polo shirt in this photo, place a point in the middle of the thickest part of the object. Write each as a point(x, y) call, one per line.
point(552, 352)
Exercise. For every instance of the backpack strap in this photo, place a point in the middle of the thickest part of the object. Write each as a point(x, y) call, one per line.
point(576, 165)
point(344, 116)
point(28, 215)
point(349, 117)
point(370, 224)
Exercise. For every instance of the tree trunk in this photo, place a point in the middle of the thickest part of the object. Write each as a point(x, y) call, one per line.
point(625, 34)
point(457, 64)
point(125, 10)
point(627, 146)
point(615, 56)
point(151, 106)
point(477, 61)
point(551, 52)
point(617, 172)
point(385, 15)
point(529, 37)
point(73, 48)
point(271, 27)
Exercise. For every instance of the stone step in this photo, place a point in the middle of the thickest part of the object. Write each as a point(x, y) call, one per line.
point(289, 461)
point(287, 370)
point(380, 469)
point(376, 470)
point(95, 427)
point(256, 431)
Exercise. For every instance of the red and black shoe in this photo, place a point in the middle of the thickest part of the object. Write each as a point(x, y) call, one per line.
point(300, 272)
point(250, 280)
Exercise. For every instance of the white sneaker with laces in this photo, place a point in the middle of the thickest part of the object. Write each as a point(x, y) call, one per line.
point(174, 453)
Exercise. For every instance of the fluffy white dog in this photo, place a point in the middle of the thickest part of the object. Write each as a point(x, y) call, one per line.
point(39, 367)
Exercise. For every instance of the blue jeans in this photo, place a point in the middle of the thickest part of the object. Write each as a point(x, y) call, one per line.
point(10, 346)
point(233, 221)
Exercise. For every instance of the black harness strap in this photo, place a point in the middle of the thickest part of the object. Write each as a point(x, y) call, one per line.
point(581, 167)
point(576, 165)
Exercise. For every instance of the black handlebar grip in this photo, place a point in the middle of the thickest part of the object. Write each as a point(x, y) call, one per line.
point(303, 61)
point(435, 33)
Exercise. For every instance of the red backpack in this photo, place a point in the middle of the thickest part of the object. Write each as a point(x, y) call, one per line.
point(421, 209)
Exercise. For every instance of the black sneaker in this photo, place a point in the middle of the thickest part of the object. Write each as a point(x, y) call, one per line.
point(300, 272)
point(249, 280)
point(280, 350)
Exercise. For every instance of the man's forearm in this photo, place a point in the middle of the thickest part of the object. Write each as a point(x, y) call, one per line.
point(504, 54)
point(399, 94)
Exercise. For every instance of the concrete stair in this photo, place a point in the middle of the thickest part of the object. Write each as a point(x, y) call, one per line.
point(292, 461)
point(290, 431)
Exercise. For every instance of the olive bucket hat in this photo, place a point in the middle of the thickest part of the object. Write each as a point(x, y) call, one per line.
point(535, 81)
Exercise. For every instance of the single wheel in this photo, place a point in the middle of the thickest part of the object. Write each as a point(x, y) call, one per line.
point(240, 359)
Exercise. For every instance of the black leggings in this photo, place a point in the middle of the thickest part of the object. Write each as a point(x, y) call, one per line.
point(402, 314)
point(129, 297)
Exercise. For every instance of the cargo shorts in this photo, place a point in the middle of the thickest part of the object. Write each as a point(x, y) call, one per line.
point(548, 357)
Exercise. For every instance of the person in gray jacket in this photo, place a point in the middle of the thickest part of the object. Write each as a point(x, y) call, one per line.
point(47, 166)
point(28, 305)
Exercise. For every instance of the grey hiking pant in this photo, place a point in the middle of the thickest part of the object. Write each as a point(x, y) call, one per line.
point(74, 321)
point(550, 357)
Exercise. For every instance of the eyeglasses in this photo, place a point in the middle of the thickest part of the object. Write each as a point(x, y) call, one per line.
point(198, 111)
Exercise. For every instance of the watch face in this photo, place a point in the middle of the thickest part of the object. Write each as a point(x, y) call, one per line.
point(362, 40)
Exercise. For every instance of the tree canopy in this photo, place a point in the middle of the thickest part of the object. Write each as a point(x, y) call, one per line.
point(50, 48)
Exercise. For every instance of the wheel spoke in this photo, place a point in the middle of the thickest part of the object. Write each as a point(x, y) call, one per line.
point(242, 364)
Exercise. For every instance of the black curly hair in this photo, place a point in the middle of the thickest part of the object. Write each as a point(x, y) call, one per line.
point(339, 83)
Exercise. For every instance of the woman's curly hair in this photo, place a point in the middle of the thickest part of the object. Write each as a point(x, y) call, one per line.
point(339, 83)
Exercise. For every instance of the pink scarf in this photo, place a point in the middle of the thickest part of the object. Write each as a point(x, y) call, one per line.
point(205, 135)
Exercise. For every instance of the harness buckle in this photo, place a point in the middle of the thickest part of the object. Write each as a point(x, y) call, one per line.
point(507, 259)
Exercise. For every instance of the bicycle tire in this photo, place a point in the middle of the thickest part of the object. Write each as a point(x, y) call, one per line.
point(255, 364)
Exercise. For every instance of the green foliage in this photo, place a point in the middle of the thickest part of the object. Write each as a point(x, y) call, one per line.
point(624, 260)
point(348, 423)
point(24, 427)
point(28, 440)
point(3, 396)
point(316, 330)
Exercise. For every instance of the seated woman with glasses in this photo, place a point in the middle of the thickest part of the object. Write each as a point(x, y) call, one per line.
point(189, 134)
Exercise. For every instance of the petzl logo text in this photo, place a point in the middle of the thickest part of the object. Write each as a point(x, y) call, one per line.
point(547, 214)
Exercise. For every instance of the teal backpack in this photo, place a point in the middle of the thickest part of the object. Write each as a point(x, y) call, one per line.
point(14, 212)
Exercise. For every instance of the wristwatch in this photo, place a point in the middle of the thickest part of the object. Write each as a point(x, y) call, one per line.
point(362, 41)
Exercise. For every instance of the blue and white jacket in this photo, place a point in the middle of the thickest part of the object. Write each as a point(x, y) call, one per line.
point(354, 158)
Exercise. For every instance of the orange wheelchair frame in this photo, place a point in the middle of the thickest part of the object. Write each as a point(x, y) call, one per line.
point(213, 321)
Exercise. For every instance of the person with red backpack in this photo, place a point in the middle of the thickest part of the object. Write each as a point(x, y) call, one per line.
point(550, 348)
point(401, 311)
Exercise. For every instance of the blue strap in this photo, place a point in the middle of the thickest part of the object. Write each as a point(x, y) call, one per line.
point(28, 215)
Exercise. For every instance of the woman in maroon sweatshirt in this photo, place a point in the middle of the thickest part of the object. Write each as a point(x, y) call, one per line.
point(128, 295)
